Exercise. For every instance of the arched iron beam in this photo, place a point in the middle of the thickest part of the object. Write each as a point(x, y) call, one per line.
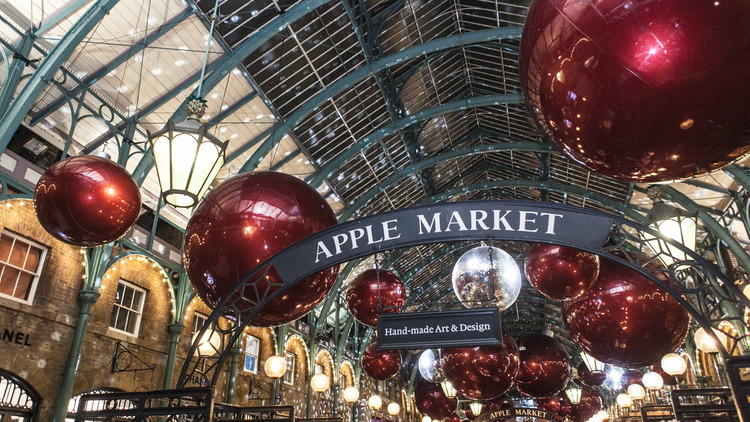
point(23, 102)
point(431, 161)
point(364, 72)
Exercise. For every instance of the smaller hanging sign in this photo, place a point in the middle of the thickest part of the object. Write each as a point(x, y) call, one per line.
point(437, 329)
point(514, 412)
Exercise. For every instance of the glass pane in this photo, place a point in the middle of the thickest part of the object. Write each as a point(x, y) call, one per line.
point(127, 296)
point(122, 319)
point(32, 260)
point(5, 245)
point(132, 323)
point(118, 294)
point(113, 317)
point(137, 301)
point(18, 254)
point(23, 288)
point(8, 280)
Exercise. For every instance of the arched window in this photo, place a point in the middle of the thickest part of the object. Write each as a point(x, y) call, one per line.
point(18, 399)
point(95, 404)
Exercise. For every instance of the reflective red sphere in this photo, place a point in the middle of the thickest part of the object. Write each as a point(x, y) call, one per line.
point(590, 378)
point(591, 402)
point(561, 273)
point(484, 372)
point(87, 201)
point(566, 408)
point(431, 401)
point(243, 222)
point(493, 405)
point(545, 368)
point(380, 364)
point(452, 418)
point(375, 292)
point(550, 404)
point(626, 319)
point(642, 91)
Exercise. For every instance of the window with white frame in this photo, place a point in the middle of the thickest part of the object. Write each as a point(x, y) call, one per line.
point(291, 367)
point(252, 349)
point(21, 262)
point(319, 369)
point(199, 320)
point(128, 308)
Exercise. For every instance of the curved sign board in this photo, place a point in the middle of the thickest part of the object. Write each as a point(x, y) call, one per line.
point(515, 412)
point(453, 221)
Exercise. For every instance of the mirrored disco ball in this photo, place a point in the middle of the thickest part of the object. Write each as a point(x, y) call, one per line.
point(486, 276)
point(426, 364)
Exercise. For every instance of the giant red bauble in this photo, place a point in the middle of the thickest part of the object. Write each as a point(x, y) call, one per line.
point(590, 403)
point(431, 401)
point(550, 404)
point(642, 91)
point(380, 364)
point(590, 378)
point(545, 368)
point(561, 273)
point(87, 201)
point(243, 222)
point(375, 292)
point(482, 372)
point(452, 418)
point(626, 319)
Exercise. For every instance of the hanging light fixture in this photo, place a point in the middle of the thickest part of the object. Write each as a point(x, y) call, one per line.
point(393, 408)
point(320, 383)
point(426, 418)
point(275, 367)
point(636, 391)
point(673, 364)
point(476, 407)
point(592, 363)
point(652, 380)
point(448, 389)
point(673, 223)
point(623, 400)
point(350, 394)
point(707, 343)
point(375, 402)
point(574, 394)
point(210, 343)
point(187, 158)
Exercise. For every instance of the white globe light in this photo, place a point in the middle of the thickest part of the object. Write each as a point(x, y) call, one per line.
point(209, 344)
point(320, 383)
point(624, 400)
point(375, 402)
point(746, 291)
point(636, 391)
point(673, 364)
point(652, 380)
point(486, 276)
point(426, 365)
point(350, 394)
point(426, 418)
point(275, 367)
point(393, 408)
point(706, 343)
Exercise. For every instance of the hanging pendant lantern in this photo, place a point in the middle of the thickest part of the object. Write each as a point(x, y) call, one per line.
point(674, 224)
point(187, 157)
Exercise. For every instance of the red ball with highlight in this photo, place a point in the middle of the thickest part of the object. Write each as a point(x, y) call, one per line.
point(561, 273)
point(545, 368)
point(375, 292)
point(241, 223)
point(87, 201)
point(431, 401)
point(378, 364)
point(484, 372)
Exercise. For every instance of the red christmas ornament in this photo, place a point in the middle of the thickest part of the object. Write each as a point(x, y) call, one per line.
point(566, 408)
point(431, 401)
point(625, 319)
point(668, 379)
point(87, 201)
point(470, 415)
point(482, 373)
point(243, 222)
point(375, 292)
point(642, 91)
point(545, 368)
point(452, 418)
point(550, 404)
point(561, 273)
point(380, 364)
point(591, 402)
point(591, 378)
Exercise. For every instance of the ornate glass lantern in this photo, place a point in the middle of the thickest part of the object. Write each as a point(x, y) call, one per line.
point(673, 223)
point(187, 157)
